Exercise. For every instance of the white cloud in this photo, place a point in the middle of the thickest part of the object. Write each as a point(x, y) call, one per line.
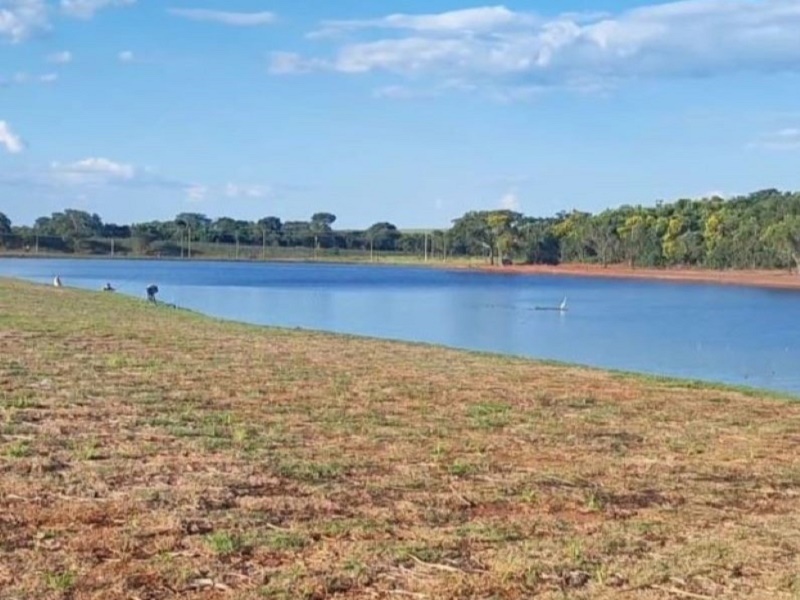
point(9, 140)
point(126, 56)
point(89, 175)
point(60, 58)
point(234, 190)
point(19, 19)
point(93, 171)
point(401, 92)
point(23, 78)
point(236, 19)
point(510, 201)
point(494, 46)
point(289, 63)
point(469, 20)
point(783, 139)
point(86, 9)
point(196, 193)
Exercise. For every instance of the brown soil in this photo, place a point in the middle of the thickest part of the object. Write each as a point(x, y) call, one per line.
point(750, 278)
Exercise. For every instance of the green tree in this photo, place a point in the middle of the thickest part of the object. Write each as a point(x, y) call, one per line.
point(784, 237)
point(601, 235)
point(672, 242)
point(638, 236)
point(471, 235)
point(5, 230)
point(571, 230)
point(321, 226)
point(538, 242)
point(383, 236)
point(504, 230)
point(487, 233)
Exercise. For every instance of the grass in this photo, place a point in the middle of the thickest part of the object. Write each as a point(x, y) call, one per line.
point(228, 252)
point(149, 452)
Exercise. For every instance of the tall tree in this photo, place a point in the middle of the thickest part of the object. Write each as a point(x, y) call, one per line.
point(321, 226)
point(601, 235)
point(5, 229)
point(383, 236)
point(784, 236)
point(503, 226)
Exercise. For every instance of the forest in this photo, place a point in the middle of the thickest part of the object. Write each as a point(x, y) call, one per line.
point(758, 230)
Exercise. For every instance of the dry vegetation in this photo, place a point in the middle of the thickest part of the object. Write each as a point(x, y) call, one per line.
point(146, 452)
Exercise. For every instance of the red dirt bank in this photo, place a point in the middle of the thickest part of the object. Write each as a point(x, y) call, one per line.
point(749, 278)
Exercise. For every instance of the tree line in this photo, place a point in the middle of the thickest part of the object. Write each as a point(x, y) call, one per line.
point(759, 230)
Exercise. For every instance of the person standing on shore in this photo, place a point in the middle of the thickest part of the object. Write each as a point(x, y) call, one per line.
point(57, 281)
point(152, 290)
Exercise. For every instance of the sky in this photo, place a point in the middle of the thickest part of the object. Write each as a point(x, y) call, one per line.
point(411, 111)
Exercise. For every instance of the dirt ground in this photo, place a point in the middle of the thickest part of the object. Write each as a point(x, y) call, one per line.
point(750, 278)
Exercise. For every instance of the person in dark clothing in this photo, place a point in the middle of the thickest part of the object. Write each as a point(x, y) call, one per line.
point(152, 290)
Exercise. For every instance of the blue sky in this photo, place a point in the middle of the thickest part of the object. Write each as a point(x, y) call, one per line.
point(413, 112)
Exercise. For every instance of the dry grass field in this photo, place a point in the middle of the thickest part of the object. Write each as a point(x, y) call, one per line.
point(148, 453)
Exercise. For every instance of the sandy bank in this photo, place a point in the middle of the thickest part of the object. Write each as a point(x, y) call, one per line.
point(749, 278)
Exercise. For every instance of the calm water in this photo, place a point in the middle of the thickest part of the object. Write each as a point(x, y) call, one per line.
point(726, 334)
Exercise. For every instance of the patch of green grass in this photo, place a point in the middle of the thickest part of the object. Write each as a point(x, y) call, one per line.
point(60, 581)
point(283, 540)
point(310, 471)
point(406, 553)
point(87, 450)
point(20, 401)
point(491, 532)
point(218, 425)
point(460, 468)
point(19, 449)
point(117, 361)
point(225, 543)
point(490, 415)
point(595, 501)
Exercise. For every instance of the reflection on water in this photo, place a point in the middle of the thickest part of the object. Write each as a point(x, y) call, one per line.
point(728, 334)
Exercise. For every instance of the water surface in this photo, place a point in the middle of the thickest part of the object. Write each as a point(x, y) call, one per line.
point(717, 333)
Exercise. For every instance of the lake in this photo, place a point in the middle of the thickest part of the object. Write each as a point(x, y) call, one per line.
point(724, 334)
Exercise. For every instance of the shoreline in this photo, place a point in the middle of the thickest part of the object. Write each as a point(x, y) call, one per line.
point(753, 278)
point(670, 380)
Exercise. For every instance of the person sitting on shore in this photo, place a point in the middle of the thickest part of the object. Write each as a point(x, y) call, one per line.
point(152, 290)
point(108, 288)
